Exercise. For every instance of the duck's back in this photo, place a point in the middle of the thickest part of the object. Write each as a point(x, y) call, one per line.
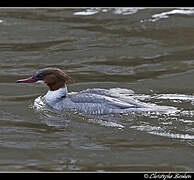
point(100, 101)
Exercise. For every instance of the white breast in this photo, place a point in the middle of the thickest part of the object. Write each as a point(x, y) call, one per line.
point(53, 97)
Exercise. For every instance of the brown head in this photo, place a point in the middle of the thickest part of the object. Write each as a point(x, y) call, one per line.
point(54, 78)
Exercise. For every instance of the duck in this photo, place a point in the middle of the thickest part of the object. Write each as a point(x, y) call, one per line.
point(94, 101)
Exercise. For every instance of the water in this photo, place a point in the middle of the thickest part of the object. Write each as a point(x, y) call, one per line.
point(147, 50)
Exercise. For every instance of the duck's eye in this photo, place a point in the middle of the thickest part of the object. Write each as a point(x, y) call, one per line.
point(38, 77)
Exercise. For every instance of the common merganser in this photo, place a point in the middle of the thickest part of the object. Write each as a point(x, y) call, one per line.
point(91, 101)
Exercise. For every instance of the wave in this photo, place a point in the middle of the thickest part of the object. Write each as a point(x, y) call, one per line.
point(86, 12)
point(120, 11)
point(185, 11)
